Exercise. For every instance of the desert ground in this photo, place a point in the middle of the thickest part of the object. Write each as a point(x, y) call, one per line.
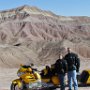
point(9, 74)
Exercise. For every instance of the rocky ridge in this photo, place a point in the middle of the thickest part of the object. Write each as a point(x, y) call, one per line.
point(29, 34)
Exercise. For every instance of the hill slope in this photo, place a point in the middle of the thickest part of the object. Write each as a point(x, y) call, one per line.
point(29, 34)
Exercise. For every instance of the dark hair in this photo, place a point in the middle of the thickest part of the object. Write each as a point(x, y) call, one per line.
point(47, 67)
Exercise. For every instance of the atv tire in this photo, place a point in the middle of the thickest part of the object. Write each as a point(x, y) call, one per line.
point(14, 87)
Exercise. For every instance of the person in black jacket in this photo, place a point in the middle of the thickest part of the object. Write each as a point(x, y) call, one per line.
point(73, 67)
point(61, 69)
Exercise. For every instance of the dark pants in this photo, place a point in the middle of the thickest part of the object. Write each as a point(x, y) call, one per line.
point(62, 83)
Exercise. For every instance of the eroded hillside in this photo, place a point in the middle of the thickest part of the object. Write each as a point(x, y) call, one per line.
point(29, 34)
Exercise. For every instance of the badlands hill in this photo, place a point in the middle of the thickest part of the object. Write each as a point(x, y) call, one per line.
point(31, 35)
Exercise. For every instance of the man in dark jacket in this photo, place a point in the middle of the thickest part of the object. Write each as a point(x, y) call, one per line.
point(73, 67)
point(61, 69)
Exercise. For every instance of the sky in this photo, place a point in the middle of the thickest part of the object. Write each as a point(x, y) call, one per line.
point(59, 7)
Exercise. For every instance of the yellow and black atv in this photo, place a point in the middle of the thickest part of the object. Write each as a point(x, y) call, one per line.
point(28, 78)
point(84, 78)
point(48, 75)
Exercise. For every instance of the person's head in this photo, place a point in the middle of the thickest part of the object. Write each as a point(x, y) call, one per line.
point(69, 50)
point(60, 56)
point(47, 67)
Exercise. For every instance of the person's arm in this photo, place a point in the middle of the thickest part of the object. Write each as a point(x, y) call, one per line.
point(77, 63)
point(65, 66)
point(65, 57)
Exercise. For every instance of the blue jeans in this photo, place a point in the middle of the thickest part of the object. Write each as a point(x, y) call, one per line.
point(62, 83)
point(72, 77)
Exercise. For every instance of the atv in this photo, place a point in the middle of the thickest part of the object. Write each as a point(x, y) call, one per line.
point(30, 79)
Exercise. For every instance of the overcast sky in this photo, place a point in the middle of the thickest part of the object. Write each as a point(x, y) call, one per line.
point(59, 7)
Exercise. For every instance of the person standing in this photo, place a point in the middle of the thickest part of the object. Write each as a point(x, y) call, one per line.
point(61, 69)
point(73, 67)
